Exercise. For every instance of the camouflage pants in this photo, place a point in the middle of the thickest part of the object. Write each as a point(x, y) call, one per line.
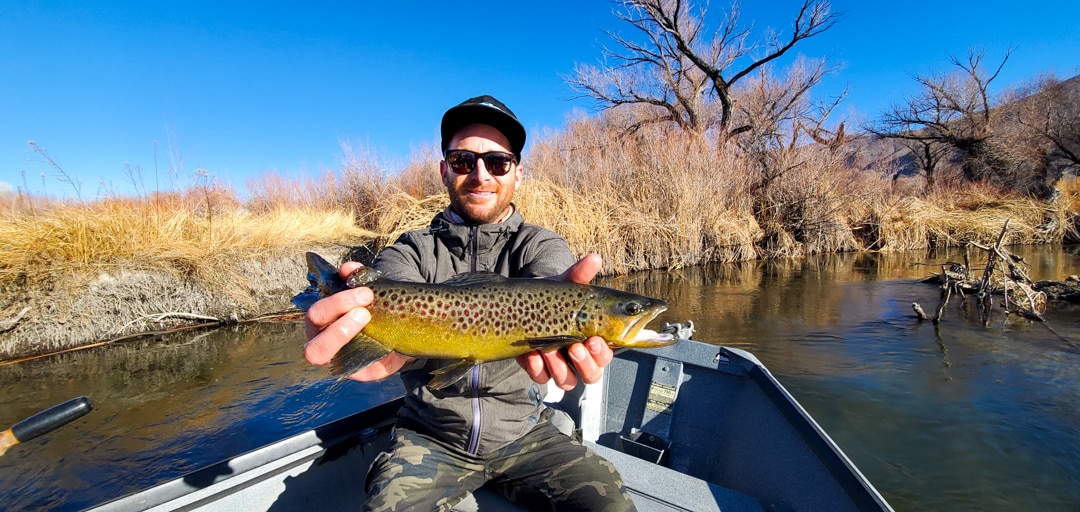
point(544, 470)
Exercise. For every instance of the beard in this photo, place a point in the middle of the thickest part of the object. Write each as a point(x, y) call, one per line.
point(484, 212)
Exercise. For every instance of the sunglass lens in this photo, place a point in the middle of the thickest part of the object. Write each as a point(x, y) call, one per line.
point(461, 162)
point(497, 164)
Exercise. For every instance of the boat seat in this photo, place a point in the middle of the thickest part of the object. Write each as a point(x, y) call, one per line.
point(654, 487)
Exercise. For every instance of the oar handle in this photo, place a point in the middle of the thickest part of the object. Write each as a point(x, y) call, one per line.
point(51, 419)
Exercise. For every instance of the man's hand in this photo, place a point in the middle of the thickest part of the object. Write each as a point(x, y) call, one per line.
point(332, 321)
point(588, 358)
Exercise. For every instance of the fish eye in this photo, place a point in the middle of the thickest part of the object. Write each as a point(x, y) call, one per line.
point(633, 308)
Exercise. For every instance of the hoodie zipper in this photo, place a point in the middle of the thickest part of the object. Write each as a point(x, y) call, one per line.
point(474, 381)
point(474, 437)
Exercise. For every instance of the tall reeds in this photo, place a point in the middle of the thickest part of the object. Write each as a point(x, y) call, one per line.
point(652, 198)
point(198, 234)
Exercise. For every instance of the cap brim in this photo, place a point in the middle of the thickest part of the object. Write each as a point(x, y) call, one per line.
point(463, 115)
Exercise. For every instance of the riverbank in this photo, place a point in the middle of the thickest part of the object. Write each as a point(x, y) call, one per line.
point(70, 306)
point(73, 274)
point(79, 310)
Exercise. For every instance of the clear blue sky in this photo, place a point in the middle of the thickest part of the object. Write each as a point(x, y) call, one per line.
point(242, 89)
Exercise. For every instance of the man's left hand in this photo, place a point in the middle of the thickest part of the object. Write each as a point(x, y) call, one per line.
point(589, 358)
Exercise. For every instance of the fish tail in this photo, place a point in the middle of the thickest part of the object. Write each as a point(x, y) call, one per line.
point(323, 281)
point(318, 265)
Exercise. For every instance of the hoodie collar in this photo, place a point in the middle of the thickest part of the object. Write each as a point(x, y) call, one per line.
point(454, 218)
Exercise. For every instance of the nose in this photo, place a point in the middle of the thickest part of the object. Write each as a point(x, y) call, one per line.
point(481, 171)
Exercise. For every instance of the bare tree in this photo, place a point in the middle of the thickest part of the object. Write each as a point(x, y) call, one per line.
point(928, 156)
point(954, 110)
point(684, 73)
point(1050, 110)
point(776, 112)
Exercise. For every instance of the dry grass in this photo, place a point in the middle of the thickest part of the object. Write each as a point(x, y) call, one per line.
point(652, 200)
point(197, 237)
point(646, 200)
point(949, 217)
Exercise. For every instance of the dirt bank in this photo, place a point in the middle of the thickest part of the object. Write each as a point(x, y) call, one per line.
point(71, 311)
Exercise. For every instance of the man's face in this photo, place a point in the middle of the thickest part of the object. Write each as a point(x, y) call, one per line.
point(480, 197)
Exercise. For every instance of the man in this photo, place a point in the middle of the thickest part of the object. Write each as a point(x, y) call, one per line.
point(491, 426)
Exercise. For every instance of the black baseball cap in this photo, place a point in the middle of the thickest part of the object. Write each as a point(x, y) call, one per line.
point(484, 110)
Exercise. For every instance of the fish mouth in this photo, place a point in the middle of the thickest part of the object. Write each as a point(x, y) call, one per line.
point(637, 336)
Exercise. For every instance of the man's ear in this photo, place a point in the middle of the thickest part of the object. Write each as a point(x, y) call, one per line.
point(443, 171)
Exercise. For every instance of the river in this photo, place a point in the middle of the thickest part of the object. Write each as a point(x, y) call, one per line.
point(957, 416)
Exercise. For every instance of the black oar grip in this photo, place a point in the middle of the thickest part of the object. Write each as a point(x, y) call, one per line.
point(51, 418)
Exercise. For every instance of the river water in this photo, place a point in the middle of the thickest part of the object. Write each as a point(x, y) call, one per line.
point(958, 416)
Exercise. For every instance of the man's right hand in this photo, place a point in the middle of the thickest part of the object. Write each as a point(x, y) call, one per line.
point(333, 321)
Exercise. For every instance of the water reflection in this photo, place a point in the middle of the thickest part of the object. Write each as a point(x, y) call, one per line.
point(163, 407)
point(957, 416)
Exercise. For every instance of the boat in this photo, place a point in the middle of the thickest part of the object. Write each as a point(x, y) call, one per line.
point(691, 426)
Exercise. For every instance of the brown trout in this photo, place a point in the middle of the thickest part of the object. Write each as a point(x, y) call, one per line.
point(479, 317)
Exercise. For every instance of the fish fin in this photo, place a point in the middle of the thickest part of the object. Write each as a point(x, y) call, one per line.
point(478, 277)
point(356, 355)
point(323, 281)
point(548, 342)
point(448, 375)
point(363, 276)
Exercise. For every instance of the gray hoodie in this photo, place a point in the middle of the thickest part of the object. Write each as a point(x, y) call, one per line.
point(498, 402)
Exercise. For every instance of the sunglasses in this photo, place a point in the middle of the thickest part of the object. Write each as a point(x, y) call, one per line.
point(463, 161)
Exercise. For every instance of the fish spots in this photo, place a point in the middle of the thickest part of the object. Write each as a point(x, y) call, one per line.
point(482, 313)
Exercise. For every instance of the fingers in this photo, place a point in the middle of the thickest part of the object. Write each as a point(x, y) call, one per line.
point(346, 269)
point(328, 310)
point(560, 371)
point(583, 271)
point(383, 368)
point(333, 321)
point(598, 355)
point(586, 361)
point(534, 366)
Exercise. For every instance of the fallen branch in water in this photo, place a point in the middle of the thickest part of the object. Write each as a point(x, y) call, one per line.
point(160, 317)
point(920, 314)
point(1004, 274)
point(952, 275)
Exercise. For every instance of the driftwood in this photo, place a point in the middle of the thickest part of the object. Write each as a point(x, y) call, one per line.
point(10, 323)
point(1004, 274)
